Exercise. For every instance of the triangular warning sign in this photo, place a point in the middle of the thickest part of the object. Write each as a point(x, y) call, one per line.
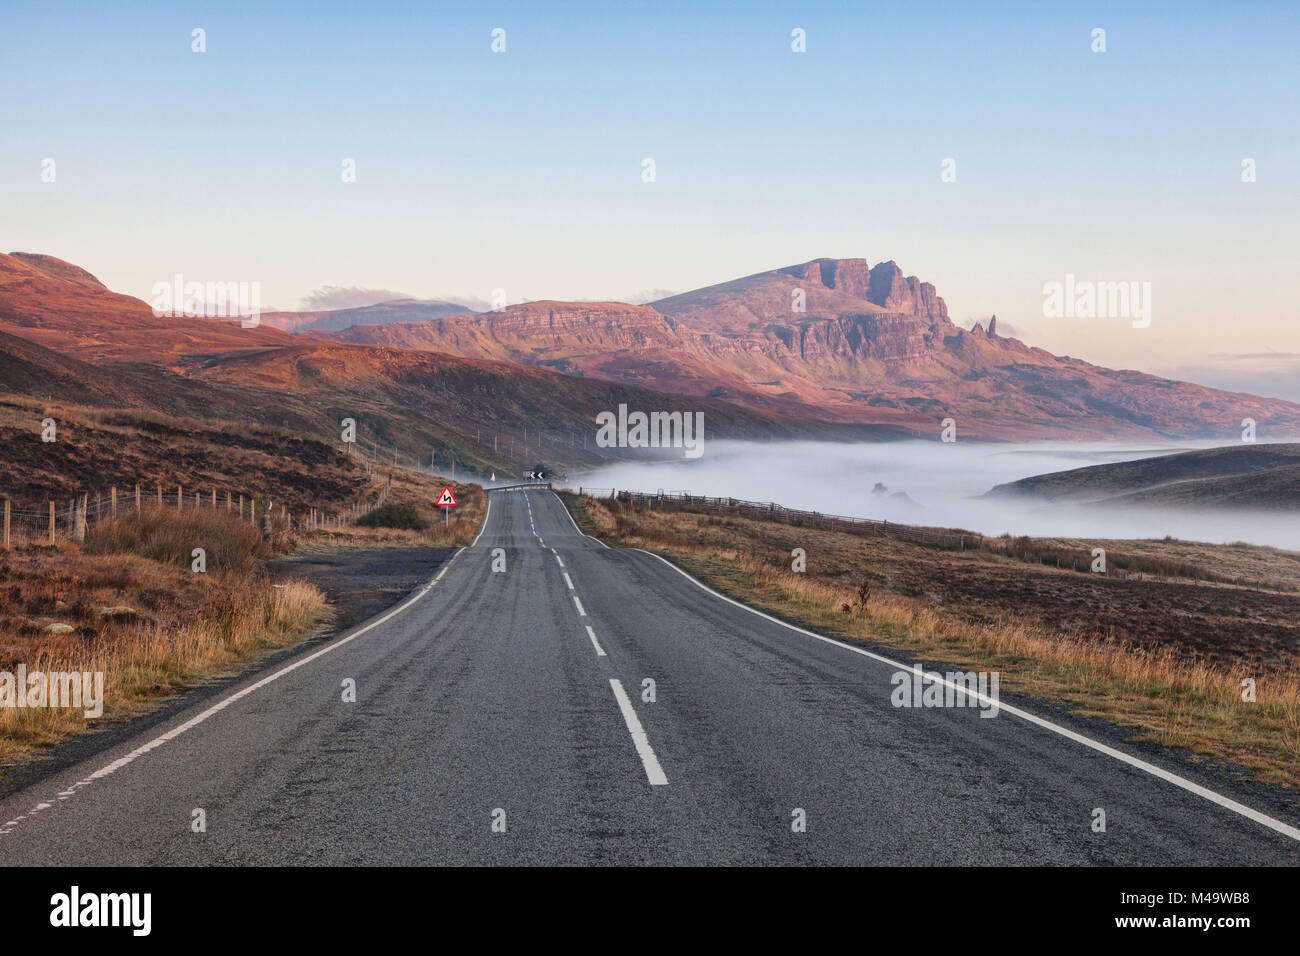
point(446, 499)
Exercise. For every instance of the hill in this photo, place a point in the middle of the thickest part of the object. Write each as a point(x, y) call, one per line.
point(394, 311)
point(64, 338)
point(1254, 476)
point(65, 308)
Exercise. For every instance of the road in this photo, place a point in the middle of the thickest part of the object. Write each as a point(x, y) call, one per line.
point(500, 718)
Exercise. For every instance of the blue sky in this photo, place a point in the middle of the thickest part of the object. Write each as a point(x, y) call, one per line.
point(522, 170)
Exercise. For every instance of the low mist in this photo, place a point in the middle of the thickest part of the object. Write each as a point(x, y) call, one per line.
point(931, 483)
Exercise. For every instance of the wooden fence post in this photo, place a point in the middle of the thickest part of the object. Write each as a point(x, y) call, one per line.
point(6, 524)
point(51, 523)
point(178, 497)
point(160, 504)
point(112, 493)
point(137, 496)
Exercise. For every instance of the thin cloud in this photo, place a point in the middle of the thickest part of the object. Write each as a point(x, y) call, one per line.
point(350, 297)
point(1254, 356)
point(332, 297)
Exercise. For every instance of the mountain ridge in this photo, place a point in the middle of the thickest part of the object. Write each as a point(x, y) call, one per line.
point(826, 341)
point(64, 339)
point(840, 340)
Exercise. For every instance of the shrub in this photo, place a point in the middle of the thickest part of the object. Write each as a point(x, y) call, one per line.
point(232, 545)
point(397, 515)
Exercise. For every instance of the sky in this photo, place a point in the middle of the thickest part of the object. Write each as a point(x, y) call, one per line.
point(523, 170)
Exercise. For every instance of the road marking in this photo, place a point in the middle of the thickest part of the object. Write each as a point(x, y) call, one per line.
point(575, 524)
point(581, 612)
point(652, 769)
point(486, 512)
point(595, 643)
point(568, 580)
point(120, 762)
point(558, 558)
point(1217, 798)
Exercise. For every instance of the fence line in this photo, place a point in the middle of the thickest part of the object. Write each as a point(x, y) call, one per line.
point(771, 510)
point(70, 519)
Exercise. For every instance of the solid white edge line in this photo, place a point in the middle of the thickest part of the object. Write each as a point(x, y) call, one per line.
point(486, 511)
point(600, 652)
point(1217, 798)
point(575, 524)
point(648, 759)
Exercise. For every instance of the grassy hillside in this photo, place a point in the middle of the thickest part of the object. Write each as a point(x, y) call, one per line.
point(101, 448)
point(1243, 475)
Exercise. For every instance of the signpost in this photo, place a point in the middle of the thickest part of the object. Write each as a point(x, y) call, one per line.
point(446, 500)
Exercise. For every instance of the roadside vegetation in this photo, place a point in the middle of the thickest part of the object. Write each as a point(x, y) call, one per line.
point(401, 515)
point(127, 604)
point(1162, 648)
point(407, 518)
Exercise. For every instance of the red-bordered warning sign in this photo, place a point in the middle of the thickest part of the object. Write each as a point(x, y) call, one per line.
point(446, 499)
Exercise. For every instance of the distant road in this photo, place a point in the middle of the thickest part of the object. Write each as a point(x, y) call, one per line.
point(522, 692)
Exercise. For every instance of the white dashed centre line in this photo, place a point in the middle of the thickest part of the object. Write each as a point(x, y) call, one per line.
point(652, 769)
point(595, 643)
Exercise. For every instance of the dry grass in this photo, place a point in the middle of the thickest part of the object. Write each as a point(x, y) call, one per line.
point(131, 608)
point(1171, 559)
point(231, 545)
point(1164, 695)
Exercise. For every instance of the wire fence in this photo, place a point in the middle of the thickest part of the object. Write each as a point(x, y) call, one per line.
point(70, 519)
point(768, 510)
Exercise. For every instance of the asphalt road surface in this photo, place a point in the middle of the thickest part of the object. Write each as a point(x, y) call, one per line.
point(500, 717)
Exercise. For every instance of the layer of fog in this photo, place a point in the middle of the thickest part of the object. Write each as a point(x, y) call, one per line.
point(938, 484)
